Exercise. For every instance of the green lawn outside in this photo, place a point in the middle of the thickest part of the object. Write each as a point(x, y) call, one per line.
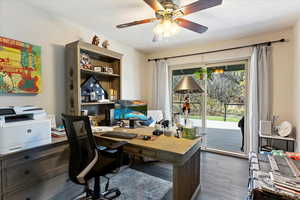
point(217, 118)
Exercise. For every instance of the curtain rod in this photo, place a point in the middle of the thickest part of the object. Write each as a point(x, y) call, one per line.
point(233, 48)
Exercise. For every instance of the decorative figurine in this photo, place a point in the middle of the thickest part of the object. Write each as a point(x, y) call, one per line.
point(105, 44)
point(186, 109)
point(96, 40)
point(85, 62)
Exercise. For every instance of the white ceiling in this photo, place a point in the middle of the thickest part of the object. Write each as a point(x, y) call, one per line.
point(234, 18)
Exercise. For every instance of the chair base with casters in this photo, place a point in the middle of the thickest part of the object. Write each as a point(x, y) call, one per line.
point(107, 194)
point(89, 161)
point(96, 194)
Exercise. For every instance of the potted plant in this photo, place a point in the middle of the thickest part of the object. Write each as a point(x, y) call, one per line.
point(200, 74)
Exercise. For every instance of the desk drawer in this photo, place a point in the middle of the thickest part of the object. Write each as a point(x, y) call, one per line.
point(32, 154)
point(37, 170)
point(132, 150)
point(148, 153)
point(140, 152)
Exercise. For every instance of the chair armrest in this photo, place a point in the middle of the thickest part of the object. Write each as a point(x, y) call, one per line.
point(87, 169)
point(117, 145)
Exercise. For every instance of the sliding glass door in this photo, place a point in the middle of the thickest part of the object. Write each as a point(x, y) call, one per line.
point(220, 111)
point(226, 107)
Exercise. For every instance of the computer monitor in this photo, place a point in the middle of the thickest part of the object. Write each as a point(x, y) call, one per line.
point(130, 110)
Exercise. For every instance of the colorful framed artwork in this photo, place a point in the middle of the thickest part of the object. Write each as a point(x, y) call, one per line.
point(20, 67)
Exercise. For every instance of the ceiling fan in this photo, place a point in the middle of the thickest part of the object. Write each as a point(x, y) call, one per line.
point(169, 14)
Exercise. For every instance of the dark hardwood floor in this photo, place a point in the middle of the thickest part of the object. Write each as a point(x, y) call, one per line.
point(222, 177)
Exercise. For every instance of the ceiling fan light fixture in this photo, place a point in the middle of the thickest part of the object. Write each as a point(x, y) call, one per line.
point(158, 29)
point(170, 13)
point(166, 28)
point(175, 28)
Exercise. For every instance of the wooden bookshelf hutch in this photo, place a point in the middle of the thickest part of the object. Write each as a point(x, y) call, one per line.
point(76, 75)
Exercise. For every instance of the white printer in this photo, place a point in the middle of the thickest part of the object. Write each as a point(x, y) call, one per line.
point(23, 128)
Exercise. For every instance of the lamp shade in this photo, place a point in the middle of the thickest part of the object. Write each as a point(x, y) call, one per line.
point(188, 85)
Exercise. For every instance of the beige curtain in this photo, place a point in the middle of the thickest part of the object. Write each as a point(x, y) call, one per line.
point(161, 91)
point(260, 91)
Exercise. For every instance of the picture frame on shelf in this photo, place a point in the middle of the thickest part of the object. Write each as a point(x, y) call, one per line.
point(98, 69)
point(110, 70)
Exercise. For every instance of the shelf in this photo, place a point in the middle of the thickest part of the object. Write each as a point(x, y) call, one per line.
point(87, 71)
point(104, 53)
point(276, 137)
point(95, 103)
point(76, 75)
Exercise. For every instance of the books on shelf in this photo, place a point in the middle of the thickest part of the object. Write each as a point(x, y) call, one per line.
point(58, 132)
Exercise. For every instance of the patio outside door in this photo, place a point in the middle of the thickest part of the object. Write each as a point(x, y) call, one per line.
point(226, 107)
point(220, 111)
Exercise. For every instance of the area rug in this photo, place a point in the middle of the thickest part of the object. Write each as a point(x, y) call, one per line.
point(135, 185)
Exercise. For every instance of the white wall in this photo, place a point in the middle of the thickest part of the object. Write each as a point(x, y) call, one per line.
point(296, 84)
point(22, 22)
point(282, 64)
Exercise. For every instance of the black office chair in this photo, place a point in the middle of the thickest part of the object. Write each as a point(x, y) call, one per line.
point(87, 160)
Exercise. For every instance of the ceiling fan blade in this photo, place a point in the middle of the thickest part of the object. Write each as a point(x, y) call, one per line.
point(154, 4)
point(199, 5)
point(136, 23)
point(191, 25)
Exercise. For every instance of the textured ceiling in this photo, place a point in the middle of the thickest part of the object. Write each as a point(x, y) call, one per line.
point(234, 18)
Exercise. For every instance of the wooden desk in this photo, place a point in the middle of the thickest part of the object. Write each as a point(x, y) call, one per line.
point(184, 154)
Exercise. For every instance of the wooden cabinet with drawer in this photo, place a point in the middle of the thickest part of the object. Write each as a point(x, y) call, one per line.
point(26, 168)
point(40, 173)
point(32, 154)
point(57, 188)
